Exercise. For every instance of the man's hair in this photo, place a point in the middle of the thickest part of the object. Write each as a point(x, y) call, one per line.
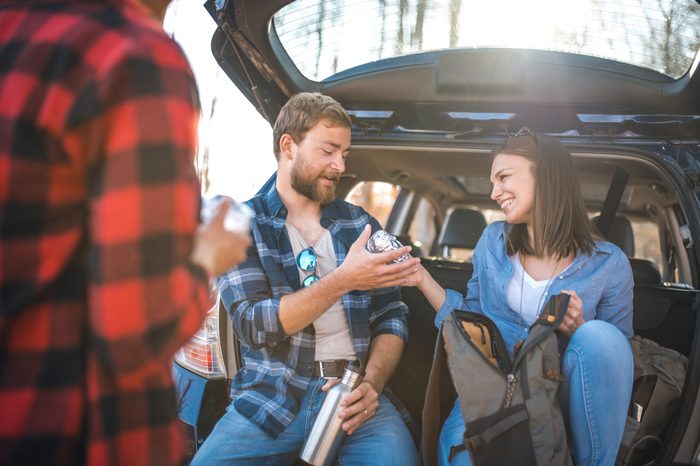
point(302, 112)
point(560, 225)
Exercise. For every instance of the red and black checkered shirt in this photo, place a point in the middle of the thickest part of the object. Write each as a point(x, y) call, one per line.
point(98, 207)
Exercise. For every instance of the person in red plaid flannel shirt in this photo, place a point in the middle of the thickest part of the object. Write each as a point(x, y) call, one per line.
point(103, 267)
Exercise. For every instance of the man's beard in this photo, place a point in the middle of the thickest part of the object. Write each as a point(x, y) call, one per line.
point(309, 185)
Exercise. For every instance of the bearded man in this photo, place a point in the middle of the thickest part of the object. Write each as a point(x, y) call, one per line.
point(308, 300)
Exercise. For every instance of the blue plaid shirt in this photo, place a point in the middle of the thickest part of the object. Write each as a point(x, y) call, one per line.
point(277, 368)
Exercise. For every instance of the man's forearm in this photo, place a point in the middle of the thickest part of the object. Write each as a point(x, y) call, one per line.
point(301, 308)
point(384, 355)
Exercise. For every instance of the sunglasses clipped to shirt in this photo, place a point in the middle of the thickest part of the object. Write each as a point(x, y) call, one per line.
point(308, 262)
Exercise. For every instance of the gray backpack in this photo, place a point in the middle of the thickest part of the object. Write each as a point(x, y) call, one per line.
point(511, 408)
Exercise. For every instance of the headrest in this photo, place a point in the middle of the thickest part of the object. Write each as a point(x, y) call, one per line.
point(462, 228)
point(620, 234)
point(645, 272)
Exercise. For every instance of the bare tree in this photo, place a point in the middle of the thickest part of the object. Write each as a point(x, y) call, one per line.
point(417, 34)
point(201, 165)
point(403, 9)
point(319, 33)
point(382, 33)
point(666, 45)
point(455, 7)
point(577, 40)
point(671, 31)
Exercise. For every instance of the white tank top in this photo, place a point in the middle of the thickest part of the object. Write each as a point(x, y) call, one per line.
point(333, 339)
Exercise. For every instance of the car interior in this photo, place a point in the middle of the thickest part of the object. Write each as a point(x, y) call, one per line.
point(663, 294)
point(430, 139)
point(455, 183)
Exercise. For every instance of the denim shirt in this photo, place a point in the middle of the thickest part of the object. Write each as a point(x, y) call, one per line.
point(602, 280)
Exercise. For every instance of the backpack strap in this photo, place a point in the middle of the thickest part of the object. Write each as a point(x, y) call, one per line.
point(550, 318)
point(432, 418)
point(473, 442)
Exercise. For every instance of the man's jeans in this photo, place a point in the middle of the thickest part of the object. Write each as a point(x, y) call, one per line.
point(598, 369)
point(382, 440)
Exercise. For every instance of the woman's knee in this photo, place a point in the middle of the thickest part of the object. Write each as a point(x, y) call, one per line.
point(600, 344)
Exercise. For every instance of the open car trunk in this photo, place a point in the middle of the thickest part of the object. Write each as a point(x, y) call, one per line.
point(425, 119)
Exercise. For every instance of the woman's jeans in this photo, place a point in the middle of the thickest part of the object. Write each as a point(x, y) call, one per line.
point(598, 370)
point(383, 439)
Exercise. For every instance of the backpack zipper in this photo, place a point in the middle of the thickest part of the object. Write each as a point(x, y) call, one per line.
point(510, 390)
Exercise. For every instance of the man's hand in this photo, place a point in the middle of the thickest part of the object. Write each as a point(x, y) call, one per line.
point(357, 406)
point(217, 250)
point(363, 270)
point(574, 315)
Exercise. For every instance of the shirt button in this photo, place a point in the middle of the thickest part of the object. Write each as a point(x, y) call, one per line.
point(283, 211)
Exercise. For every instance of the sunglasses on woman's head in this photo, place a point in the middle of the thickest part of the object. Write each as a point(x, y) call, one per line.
point(307, 261)
point(524, 131)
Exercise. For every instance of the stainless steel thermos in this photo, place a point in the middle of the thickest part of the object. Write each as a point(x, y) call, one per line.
point(326, 435)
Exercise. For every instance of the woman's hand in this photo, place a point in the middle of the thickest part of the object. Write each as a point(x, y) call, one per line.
point(417, 278)
point(426, 284)
point(574, 315)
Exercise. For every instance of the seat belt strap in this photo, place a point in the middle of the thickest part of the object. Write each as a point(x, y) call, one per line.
point(612, 201)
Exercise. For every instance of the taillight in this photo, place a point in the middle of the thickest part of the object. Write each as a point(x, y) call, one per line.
point(202, 354)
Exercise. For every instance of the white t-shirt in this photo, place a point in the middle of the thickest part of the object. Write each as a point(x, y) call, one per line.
point(333, 339)
point(533, 292)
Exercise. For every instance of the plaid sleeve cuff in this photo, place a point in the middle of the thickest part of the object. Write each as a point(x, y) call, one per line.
point(257, 324)
point(394, 321)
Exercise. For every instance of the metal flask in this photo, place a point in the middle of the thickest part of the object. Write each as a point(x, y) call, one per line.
point(326, 434)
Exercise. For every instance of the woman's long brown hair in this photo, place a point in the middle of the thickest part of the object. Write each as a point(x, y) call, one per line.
point(560, 224)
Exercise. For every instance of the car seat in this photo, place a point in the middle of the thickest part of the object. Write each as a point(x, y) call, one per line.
point(621, 234)
point(461, 229)
point(406, 240)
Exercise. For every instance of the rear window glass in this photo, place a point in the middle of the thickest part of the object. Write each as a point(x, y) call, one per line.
point(647, 243)
point(375, 197)
point(423, 227)
point(325, 37)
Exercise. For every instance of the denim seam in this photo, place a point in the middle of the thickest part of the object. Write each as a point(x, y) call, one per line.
point(308, 425)
point(586, 402)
